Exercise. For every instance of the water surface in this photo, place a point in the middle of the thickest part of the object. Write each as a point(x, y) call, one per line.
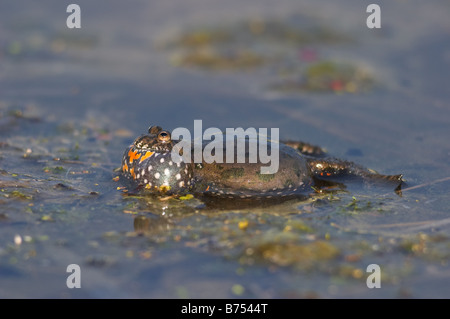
point(71, 101)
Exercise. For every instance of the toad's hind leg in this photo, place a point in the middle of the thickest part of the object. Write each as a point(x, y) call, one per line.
point(333, 167)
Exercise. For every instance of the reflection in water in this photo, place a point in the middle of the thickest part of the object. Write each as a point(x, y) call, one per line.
point(151, 225)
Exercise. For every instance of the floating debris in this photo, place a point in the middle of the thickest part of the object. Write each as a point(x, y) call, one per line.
point(17, 240)
point(215, 60)
point(327, 77)
point(248, 44)
point(303, 256)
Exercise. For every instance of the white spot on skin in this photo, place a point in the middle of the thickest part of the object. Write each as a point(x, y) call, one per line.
point(178, 176)
point(150, 168)
point(181, 184)
point(185, 171)
point(166, 171)
point(145, 181)
point(157, 175)
point(170, 163)
point(178, 165)
point(162, 160)
point(138, 176)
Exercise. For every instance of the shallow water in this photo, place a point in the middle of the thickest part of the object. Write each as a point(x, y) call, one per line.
point(71, 101)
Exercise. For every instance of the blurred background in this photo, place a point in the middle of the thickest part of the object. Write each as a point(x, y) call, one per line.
point(71, 101)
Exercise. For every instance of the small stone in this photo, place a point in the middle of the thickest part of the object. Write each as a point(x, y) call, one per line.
point(17, 240)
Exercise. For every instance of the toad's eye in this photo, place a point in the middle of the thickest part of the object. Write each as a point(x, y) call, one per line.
point(164, 136)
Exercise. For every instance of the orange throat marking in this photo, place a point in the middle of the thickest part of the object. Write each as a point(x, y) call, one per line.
point(133, 155)
point(147, 155)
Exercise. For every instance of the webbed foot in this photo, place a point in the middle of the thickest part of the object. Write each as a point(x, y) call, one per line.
point(330, 168)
